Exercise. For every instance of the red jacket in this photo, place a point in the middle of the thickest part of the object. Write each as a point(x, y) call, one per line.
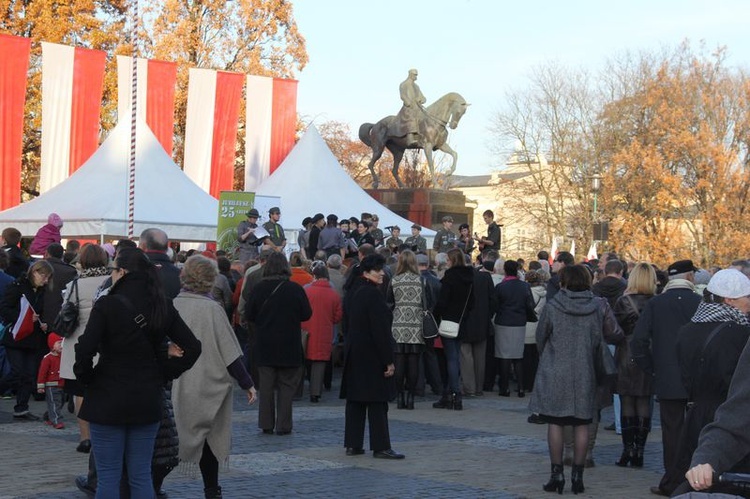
point(326, 311)
point(49, 371)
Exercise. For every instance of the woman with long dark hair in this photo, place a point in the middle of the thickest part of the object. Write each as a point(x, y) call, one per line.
point(122, 401)
point(569, 332)
point(454, 303)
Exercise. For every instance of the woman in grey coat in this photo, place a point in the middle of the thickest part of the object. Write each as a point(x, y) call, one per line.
point(568, 335)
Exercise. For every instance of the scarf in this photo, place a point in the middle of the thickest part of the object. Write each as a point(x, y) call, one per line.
point(719, 312)
point(509, 278)
point(94, 272)
point(680, 284)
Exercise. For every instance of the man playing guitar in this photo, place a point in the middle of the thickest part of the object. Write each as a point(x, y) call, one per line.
point(492, 241)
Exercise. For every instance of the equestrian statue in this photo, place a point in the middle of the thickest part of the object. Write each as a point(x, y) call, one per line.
point(415, 127)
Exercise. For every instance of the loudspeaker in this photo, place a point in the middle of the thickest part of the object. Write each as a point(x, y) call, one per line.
point(601, 231)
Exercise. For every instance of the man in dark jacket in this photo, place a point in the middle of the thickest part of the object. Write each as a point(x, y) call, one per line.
point(430, 371)
point(654, 347)
point(154, 242)
point(17, 264)
point(478, 329)
point(612, 286)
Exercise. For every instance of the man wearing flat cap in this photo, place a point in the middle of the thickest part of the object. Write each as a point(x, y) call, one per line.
point(445, 239)
point(246, 237)
point(276, 238)
point(393, 242)
point(318, 222)
point(654, 348)
point(416, 240)
point(331, 238)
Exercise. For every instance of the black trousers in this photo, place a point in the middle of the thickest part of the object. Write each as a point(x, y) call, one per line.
point(377, 415)
point(672, 413)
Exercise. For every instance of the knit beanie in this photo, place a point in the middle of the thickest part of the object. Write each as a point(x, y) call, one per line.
point(53, 338)
point(55, 220)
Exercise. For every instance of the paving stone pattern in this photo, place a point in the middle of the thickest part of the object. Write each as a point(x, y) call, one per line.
point(486, 450)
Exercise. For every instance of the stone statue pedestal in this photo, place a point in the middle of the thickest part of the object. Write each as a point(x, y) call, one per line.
point(427, 207)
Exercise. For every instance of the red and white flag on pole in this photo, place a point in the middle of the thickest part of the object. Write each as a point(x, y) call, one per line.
point(553, 251)
point(14, 67)
point(271, 125)
point(573, 248)
point(156, 92)
point(213, 114)
point(24, 325)
point(72, 87)
point(591, 255)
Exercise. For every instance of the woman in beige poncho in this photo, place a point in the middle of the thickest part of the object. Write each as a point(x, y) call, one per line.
point(202, 397)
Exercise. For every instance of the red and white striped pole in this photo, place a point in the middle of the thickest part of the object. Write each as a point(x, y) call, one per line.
point(134, 110)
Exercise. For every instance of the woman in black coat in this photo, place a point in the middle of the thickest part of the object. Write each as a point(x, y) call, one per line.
point(24, 354)
point(367, 382)
point(454, 304)
point(123, 393)
point(514, 305)
point(277, 307)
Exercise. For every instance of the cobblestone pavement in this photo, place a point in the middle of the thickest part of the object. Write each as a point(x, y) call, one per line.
point(486, 450)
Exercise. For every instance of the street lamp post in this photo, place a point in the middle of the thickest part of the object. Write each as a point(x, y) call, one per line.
point(596, 186)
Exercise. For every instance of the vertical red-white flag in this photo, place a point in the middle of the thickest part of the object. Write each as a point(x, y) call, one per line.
point(72, 87)
point(553, 251)
point(213, 113)
point(271, 124)
point(156, 92)
point(573, 248)
point(592, 255)
point(24, 325)
point(14, 67)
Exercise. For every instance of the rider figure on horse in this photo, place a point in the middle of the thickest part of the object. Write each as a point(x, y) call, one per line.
point(407, 120)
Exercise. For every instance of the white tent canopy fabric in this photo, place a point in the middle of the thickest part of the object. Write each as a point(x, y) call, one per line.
point(93, 202)
point(311, 180)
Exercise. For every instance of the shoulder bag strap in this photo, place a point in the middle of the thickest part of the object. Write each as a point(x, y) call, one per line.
point(263, 307)
point(465, 304)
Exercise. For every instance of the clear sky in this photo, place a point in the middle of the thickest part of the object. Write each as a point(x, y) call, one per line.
point(361, 50)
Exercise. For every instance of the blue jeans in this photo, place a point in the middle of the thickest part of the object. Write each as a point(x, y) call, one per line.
point(130, 444)
point(452, 350)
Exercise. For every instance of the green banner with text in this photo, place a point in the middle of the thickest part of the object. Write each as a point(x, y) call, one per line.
point(233, 206)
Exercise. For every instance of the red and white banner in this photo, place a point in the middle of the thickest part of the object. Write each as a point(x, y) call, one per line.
point(271, 125)
point(155, 94)
point(213, 113)
point(14, 67)
point(553, 251)
point(24, 325)
point(72, 86)
point(573, 248)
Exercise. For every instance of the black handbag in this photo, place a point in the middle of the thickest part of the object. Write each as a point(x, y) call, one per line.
point(429, 324)
point(604, 364)
point(531, 309)
point(66, 321)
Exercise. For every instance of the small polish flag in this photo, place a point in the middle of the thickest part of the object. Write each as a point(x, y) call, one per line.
point(591, 255)
point(553, 251)
point(24, 325)
point(573, 248)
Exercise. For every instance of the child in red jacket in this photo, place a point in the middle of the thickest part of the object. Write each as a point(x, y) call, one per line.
point(49, 382)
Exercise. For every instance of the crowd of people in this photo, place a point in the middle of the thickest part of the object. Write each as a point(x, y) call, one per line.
point(162, 337)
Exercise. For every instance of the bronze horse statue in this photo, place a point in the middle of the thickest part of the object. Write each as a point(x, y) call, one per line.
point(433, 135)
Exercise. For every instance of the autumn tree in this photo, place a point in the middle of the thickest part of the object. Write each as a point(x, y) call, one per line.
point(546, 186)
point(93, 24)
point(675, 145)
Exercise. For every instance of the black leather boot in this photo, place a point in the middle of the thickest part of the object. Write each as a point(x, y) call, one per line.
point(556, 480)
point(212, 492)
point(458, 404)
point(629, 429)
point(410, 400)
point(401, 403)
point(445, 402)
point(576, 479)
point(640, 436)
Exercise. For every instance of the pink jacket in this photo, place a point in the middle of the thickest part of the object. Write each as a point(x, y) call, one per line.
point(45, 236)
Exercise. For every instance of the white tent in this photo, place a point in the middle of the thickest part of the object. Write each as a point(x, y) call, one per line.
point(93, 202)
point(311, 180)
